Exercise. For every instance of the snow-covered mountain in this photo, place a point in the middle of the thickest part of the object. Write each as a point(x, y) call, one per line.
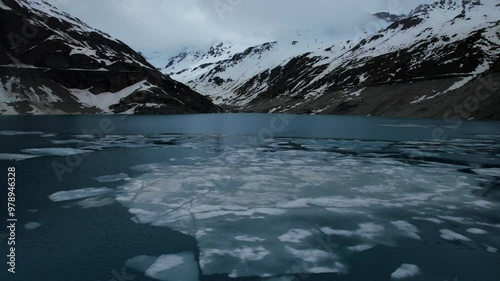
point(53, 63)
point(424, 64)
point(226, 66)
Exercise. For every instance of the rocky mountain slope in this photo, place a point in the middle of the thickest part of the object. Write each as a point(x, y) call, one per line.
point(52, 63)
point(441, 60)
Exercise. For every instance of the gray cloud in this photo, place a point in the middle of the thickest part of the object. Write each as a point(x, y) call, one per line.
point(170, 25)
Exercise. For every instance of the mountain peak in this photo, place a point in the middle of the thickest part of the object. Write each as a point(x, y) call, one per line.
point(463, 5)
point(389, 17)
point(67, 67)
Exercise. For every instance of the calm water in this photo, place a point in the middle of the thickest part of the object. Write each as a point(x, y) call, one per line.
point(252, 197)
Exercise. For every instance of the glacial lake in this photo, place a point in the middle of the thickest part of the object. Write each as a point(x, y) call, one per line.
point(251, 197)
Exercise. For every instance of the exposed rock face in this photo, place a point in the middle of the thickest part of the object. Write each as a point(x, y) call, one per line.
point(389, 17)
point(424, 64)
point(52, 63)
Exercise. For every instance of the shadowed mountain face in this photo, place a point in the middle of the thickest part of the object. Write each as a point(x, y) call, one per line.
point(52, 63)
point(440, 61)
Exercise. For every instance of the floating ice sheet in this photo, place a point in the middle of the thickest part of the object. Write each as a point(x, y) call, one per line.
point(360, 248)
point(494, 172)
point(178, 267)
point(476, 231)
point(32, 225)
point(79, 194)
point(55, 151)
point(295, 235)
point(450, 235)
point(268, 211)
point(17, 133)
point(113, 178)
point(16, 157)
point(405, 271)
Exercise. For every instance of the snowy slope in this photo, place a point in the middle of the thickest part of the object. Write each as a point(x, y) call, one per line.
point(218, 76)
point(189, 61)
point(441, 49)
point(50, 59)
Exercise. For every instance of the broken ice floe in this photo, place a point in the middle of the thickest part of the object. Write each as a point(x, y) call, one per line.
point(79, 194)
point(239, 196)
point(32, 225)
point(16, 157)
point(271, 211)
point(367, 231)
point(295, 235)
point(95, 202)
point(409, 229)
point(17, 133)
point(491, 249)
point(405, 271)
point(178, 267)
point(360, 248)
point(450, 235)
point(246, 238)
point(146, 167)
point(55, 151)
point(476, 231)
point(113, 178)
point(493, 172)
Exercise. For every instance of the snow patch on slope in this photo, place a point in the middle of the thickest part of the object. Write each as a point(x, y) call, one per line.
point(105, 100)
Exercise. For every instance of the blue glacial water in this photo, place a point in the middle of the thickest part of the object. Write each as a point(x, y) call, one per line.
point(251, 197)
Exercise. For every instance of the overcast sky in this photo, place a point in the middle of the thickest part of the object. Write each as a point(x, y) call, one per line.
point(170, 25)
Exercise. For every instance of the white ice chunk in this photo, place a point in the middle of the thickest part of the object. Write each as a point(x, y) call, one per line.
point(179, 267)
point(450, 235)
point(49, 135)
point(405, 271)
point(493, 172)
point(244, 254)
point(95, 202)
point(369, 230)
point(360, 248)
point(79, 194)
point(434, 220)
point(329, 231)
point(365, 230)
point(246, 238)
point(461, 220)
point(338, 267)
point(141, 263)
point(490, 249)
point(309, 255)
point(409, 229)
point(55, 151)
point(145, 167)
point(113, 178)
point(16, 133)
point(4, 7)
point(295, 235)
point(16, 157)
point(32, 225)
point(482, 204)
point(476, 231)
